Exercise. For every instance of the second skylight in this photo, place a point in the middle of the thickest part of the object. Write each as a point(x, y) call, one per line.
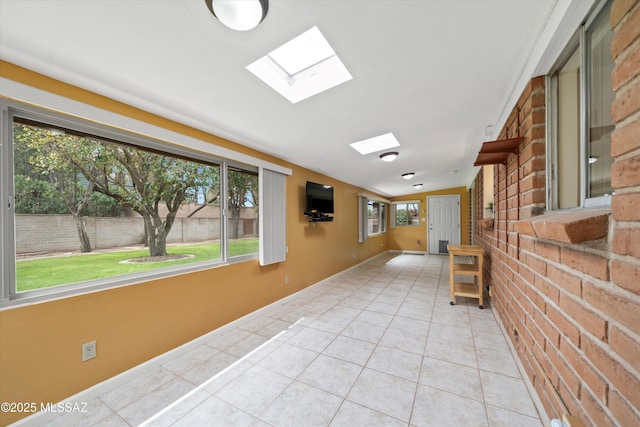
point(374, 144)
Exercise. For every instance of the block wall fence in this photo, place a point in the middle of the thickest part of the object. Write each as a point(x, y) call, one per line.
point(566, 285)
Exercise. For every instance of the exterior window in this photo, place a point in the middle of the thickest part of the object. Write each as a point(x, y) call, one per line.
point(407, 214)
point(580, 96)
point(377, 217)
point(487, 191)
point(600, 96)
point(90, 210)
point(243, 212)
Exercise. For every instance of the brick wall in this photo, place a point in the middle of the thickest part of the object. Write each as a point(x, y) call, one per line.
point(567, 286)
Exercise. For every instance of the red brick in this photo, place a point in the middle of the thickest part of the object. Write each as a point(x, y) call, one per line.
point(626, 173)
point(626, 69)
point(550, 290)
point(626, 382)
point(622, 412)
point(548, 251)
point(593, 379)
point(568, 329)
point(587, 263)
point(526, 244)
point(626, 103)
point(536, 298)
point(547, 328)
point(565, 280)
point(536, 264)
point(626, 33)
point(533, 181)
point(585, 317)
point(614, 305)
point(626, 275)
point(533, 196)
point(537, 164)
point(625, 139)
point(626, 241)
point(625, 346)
point(626, 207)
point(564, 371)
point(619, 9)
point(569, 399)
point(535, 149)
point(526, 273)
point(595, 410)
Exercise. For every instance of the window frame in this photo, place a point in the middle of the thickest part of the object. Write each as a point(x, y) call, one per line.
point(578, 42)
point(9, 108)
point(394, 212)
point(382, 217)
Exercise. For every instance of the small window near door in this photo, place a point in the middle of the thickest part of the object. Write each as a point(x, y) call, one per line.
point(407, 214)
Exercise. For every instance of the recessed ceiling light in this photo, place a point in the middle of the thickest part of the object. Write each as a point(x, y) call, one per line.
point(378, 143)
point(417, 185)
point(302, 67)
point(389, 157)
point(408, 175)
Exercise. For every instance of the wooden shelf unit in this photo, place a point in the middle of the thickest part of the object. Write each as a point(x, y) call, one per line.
point(466, 289)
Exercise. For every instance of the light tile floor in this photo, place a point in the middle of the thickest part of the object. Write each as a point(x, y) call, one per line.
point(377, 345)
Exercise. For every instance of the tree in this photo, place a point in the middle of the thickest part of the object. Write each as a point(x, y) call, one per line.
point(144, 182)
point(59, 174)
point(243, 190)
point(403, 217)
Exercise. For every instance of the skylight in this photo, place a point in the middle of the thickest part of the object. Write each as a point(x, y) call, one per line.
point(377, 143)
point(302, 67)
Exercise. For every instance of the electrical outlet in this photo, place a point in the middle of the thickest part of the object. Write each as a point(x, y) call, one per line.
point(286, 280)
point(88, 351)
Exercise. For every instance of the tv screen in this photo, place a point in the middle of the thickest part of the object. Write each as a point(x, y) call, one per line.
point(319, 198)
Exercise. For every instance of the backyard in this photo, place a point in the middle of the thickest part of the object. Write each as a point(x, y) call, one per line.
point(58, 270)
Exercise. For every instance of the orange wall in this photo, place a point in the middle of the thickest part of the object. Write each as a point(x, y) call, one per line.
point(41, 343)
point(406, 238)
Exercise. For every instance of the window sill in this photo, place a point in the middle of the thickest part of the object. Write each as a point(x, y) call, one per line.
point(486, 223)
point(570, 226)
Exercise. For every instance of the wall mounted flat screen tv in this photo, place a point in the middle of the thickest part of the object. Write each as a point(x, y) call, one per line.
point(319, 198)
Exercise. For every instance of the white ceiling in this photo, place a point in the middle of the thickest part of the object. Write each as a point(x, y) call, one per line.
point(435, 73)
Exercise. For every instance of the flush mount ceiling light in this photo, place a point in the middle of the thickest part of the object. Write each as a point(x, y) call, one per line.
point(408, 175)
point(302, 67)
point(377, 143)
point(390, 156)
point(417, 185)
point(240, 15)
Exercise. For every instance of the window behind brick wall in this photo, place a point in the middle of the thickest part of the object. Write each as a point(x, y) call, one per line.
point(580, 118)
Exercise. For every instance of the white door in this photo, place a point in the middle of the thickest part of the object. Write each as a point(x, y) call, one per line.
point(443, 222)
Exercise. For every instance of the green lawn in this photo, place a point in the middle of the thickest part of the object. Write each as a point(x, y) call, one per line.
point(46, 272)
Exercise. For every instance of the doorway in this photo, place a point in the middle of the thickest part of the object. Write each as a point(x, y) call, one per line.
point(444, 222)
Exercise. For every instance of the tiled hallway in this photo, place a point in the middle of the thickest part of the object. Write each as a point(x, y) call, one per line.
point(377, 345)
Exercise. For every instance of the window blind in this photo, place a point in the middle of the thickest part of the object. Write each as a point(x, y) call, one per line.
point(272, 221)
point(363, 217)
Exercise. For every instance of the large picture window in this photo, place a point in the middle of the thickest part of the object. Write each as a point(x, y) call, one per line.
point(90, 209)
point(580, 96)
